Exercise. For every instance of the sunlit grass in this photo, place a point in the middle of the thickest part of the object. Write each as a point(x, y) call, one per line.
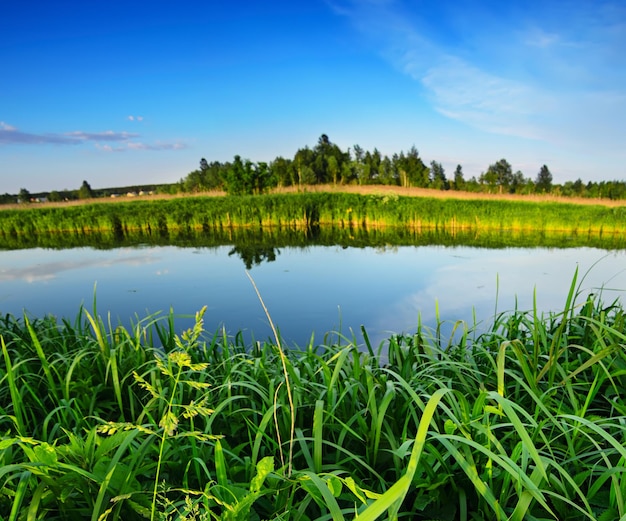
point(304, 210)
point(524, 421)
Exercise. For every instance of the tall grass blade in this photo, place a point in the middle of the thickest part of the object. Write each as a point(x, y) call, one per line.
point(16, 399)
point(283, 360)
point(318, 423)
point(392, 498)
point(52, 386)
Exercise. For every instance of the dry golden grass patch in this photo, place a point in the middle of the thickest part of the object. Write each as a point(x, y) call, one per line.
point(447, 194)
point(353, 189)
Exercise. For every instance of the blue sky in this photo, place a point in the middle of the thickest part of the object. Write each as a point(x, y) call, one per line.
point(135, 92)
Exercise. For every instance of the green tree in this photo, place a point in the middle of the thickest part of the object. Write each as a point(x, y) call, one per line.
point(543, 182)
point(459, 181)
point(85, 191)
point(387, 174)
point(193, 181)
point(578, 187)
point(333, 169)
point(262, 177)
point(498, 176)
point(359, 154)
point(412, 170)
point(213, 175)
point(304, 161)
point(519, 184)
point(327, 160)
point(358, 164)
point(372, 162)
point(239, 177)
point(243, 177)
point(209, 176)
point(438, 176)
point(283, 171)
point(7, 198)
point(23, 196)
point(307, 175)
point(347, 172)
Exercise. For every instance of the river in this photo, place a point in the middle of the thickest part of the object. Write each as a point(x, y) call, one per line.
point(311, 290)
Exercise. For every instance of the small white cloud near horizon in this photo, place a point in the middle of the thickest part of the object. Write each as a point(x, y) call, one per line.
point(131, 145)
point(157, 146)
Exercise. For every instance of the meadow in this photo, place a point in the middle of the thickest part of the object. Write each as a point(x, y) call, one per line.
point(311, 209)
point(524, 421)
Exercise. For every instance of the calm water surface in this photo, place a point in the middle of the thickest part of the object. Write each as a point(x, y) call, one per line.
point(308, 291)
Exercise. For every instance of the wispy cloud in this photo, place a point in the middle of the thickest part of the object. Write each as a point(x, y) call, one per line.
point(142, 146)
point(156, 146)
point(135, 118)
point(9, 135)
point(466, 93)
point(109, 135)
point(537, 37)
point(50, 270)
point(508, 70)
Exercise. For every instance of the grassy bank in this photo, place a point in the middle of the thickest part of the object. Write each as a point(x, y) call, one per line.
point(526, 421)
point(312, 209)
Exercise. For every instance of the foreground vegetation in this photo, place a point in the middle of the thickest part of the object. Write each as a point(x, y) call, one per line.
point(310, 210)
point(524, 421)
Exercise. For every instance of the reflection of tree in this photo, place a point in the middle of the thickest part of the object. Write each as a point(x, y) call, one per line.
point(255, 247)
point(254, 254)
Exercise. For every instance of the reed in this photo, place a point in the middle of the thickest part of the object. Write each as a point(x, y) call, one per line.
point(523, 421)
point(162, 217)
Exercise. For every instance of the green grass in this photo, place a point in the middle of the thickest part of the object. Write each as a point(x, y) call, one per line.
point(306, 210)
point(524, 421)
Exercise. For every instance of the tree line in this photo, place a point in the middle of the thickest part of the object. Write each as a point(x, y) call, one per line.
point(327, 163)
point(84, 192)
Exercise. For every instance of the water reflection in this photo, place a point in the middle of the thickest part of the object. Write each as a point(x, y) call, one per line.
point(312, 281)
point(41, 271)
point(254, 254)
point(265, 243)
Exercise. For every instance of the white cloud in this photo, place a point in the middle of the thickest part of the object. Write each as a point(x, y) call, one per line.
point(157, 146)
point(553, 75)
point(489, 102)
point(11, 136)
point(142, 146)
point(107, 135)
point(50, 270)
